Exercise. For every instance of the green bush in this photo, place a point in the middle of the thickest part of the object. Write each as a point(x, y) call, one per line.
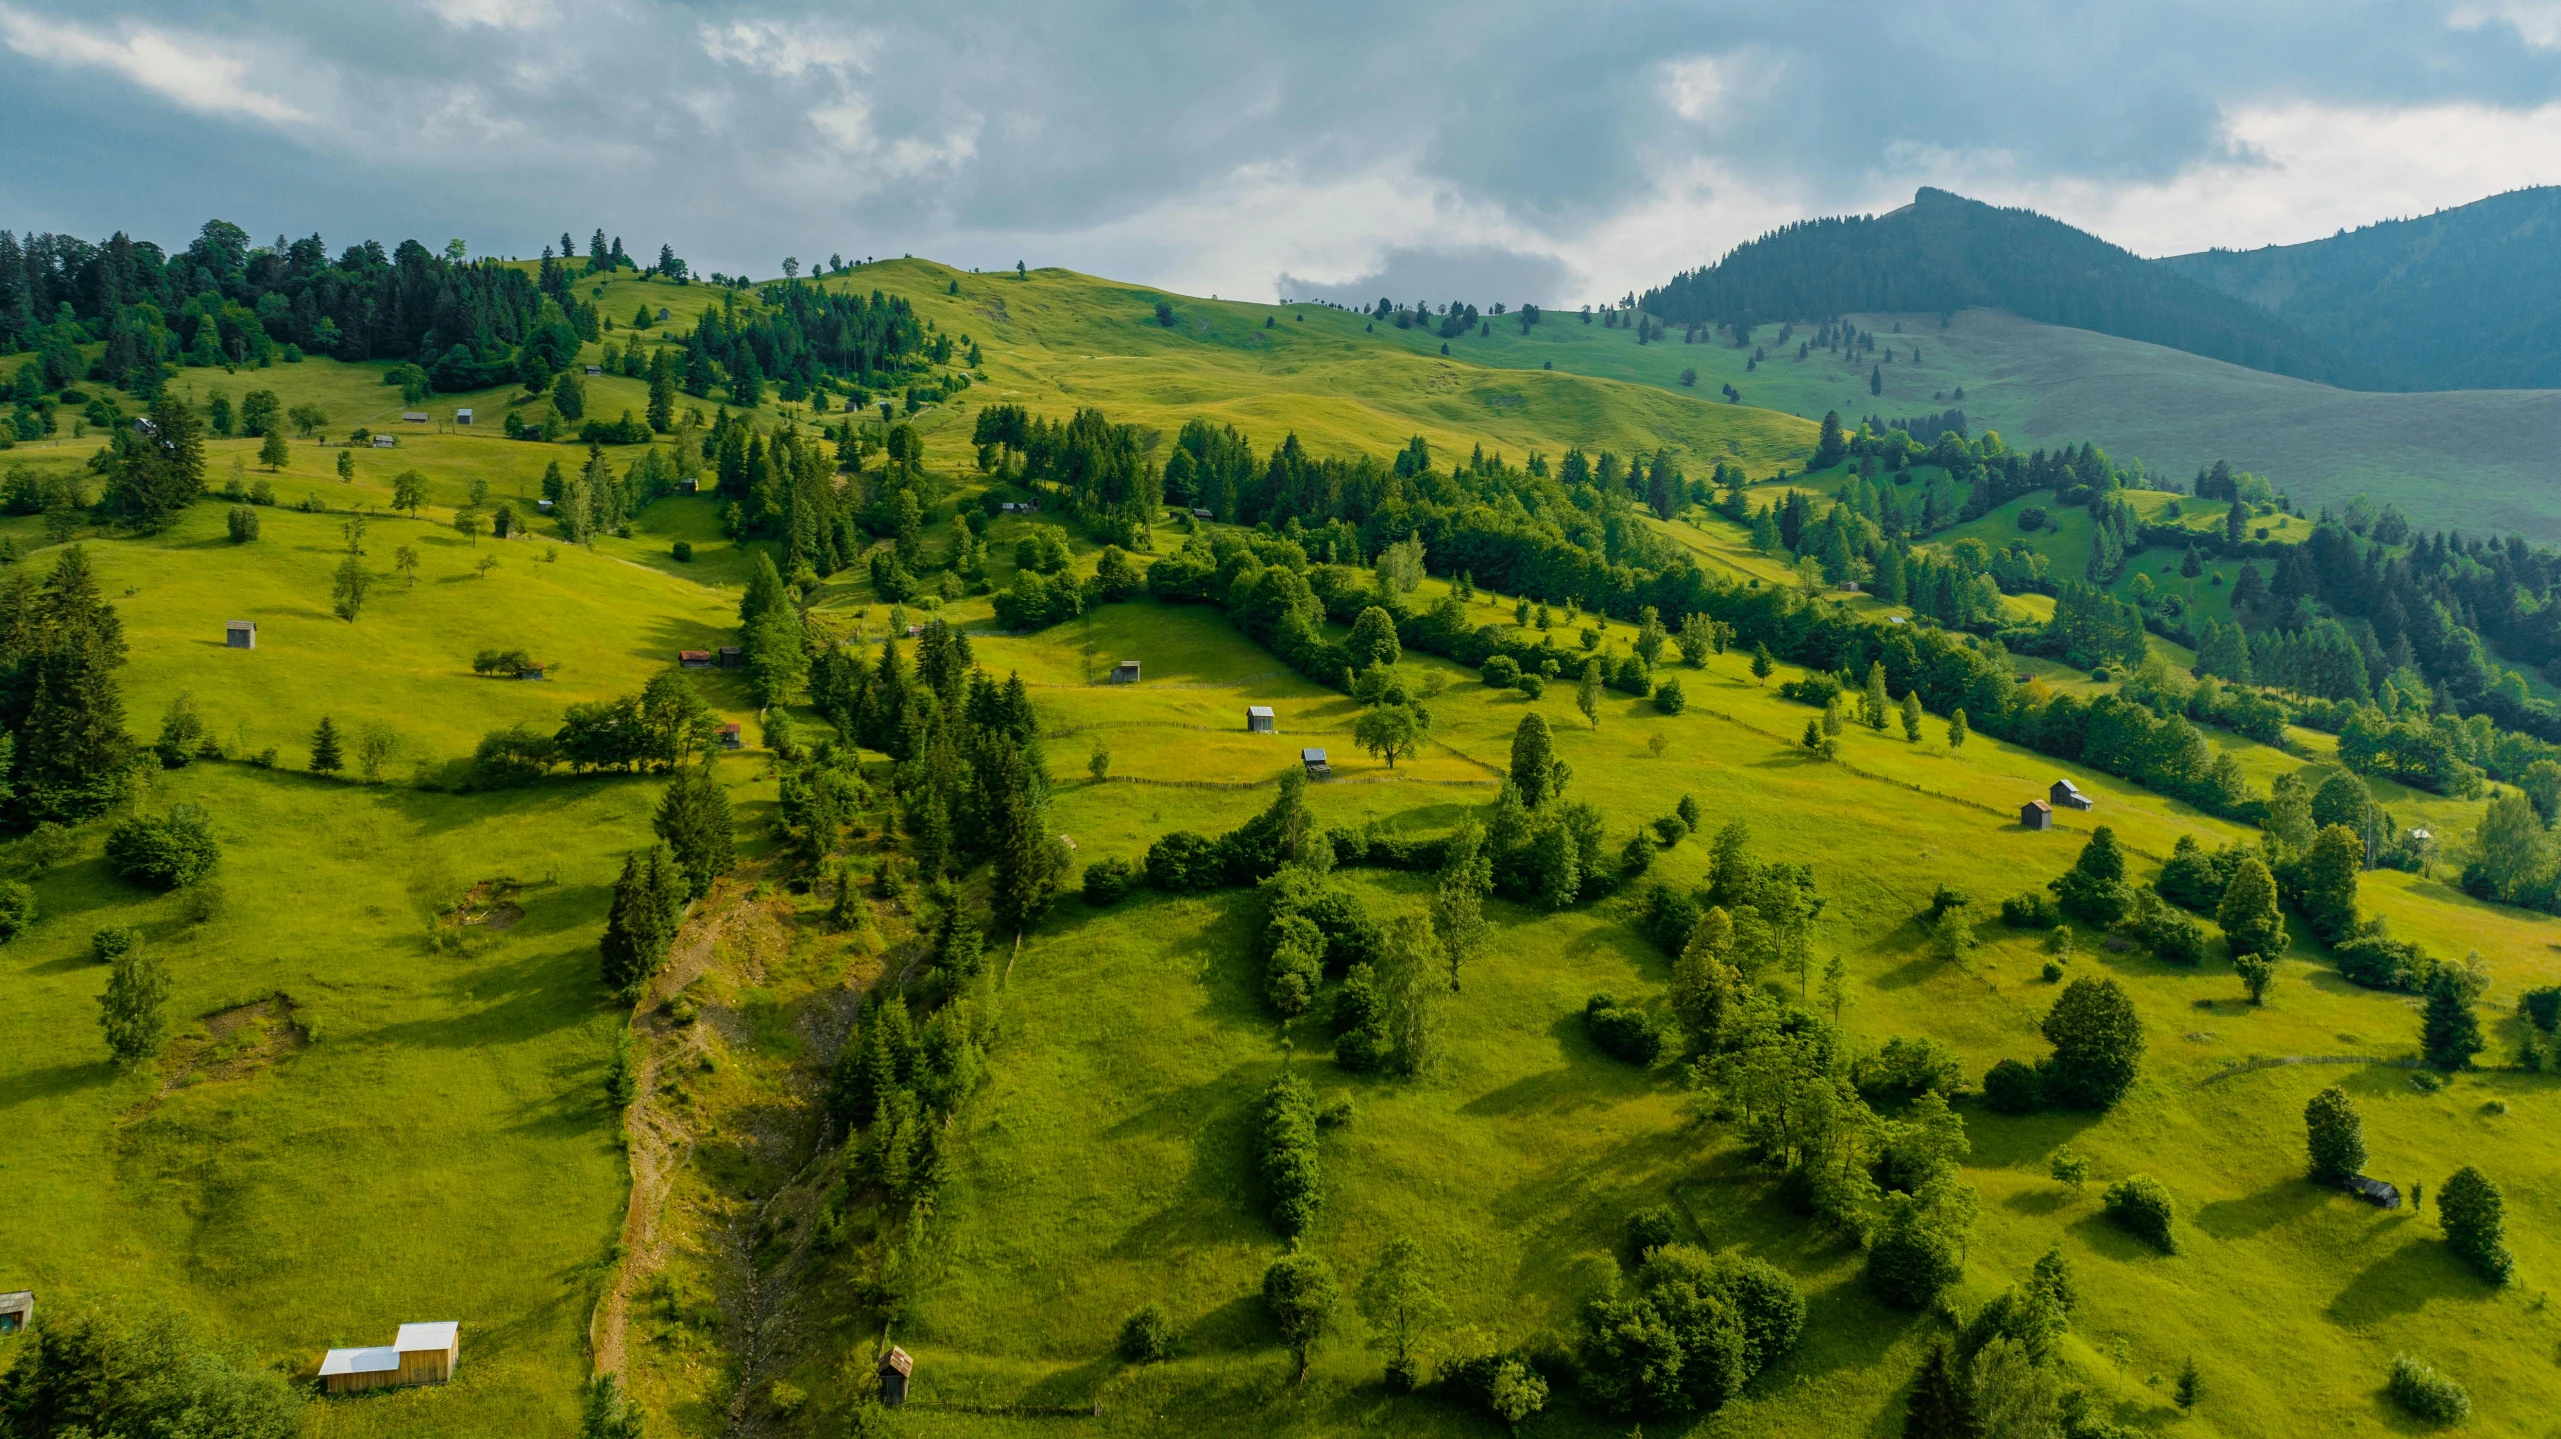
point(17, 909)
point(1626, 1034)
point(2141, 1205)
point(1668, 697)
point(683, 550)
point(1531, 686)
point(244, 524)
point(2417, 1387)
point(1291, 1177)
point(2013, 1088)
point(164, 851)
point(2032, 910)
point(1652, 1228)
point(1500, 671)
point(1147, 1336)
point(1106, 880)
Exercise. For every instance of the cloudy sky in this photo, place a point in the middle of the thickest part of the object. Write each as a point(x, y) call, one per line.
point(1561, 153)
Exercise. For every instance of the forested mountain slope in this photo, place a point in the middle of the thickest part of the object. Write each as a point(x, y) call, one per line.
point(2467, 298)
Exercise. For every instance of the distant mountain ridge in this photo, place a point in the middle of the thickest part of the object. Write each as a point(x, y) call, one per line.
point(2467, 298)
point(1945, 253)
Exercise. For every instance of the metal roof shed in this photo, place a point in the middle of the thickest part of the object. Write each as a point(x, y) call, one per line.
point(349, 1371)
point(1258, 719)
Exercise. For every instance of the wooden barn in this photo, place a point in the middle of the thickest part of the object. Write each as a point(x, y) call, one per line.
point(1314, 759)
point(413, 417)
point(2036, 814)
point(693, 659)
point(732, 657)
point(897, 1367)
point(1258, 719)
point(419, 1354)
point(2375, 1192)
point(462, 417)
point(2066, 795)
point(384, 442)
point(17, 1310)
point(240, 635)
point(729, 736)
point(1125, 673)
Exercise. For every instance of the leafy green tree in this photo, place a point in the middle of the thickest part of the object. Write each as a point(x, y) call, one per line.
point(2336, 1134)
point(1536, 771)
point(348, 588)
point(167, 851)
point(408, 491)
point(145, 1374)
point(153, 475)
point(1300, 1291)
point(1587, 695)
point(272, 452)
point(2516, 851)
point(2328, 877)
point(327, 756)
point(2252, 923)
point(1458, 899)
point(1955, 730)
point(1393, 730)
point(2191, 1385)
point(2257, 974)
point(1402, 1306)
point(182, 732)
point(1912, 714)
point(2094, 888)
point(132, 1010)
point(2141, 1204)
point(1762, 664)
point(2476, 1224)
point(693, 818)
point(1410, 996)
point(1373, 639)
point(1874, 706)
point(2098, 1044)
point(1918, 1249)
point(2449, 1030)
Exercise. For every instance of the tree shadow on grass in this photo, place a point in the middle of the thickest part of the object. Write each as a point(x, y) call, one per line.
point(2003, 1141)
point(1241, 1323)
point(53, 1082)
point(2403, 1282)
point(2283, 1202)
point(2109, 1240)
point(521, 998)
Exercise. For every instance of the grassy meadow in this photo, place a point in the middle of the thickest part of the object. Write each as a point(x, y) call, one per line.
point(416, 1129)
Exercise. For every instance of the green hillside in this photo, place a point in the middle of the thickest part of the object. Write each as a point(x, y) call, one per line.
point(397, 1087)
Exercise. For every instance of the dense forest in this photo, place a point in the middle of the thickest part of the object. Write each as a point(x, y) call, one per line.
point(2461, 299)
point(1945, 253)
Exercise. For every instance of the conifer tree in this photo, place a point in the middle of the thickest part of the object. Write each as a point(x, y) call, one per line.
point(272, 452)
point(1762, 665)
point(1536, 771)
point(2476, 1225)
point(1956, 730)
point(1942, 1405)
point(2329, 879)
point(2098, 1043)
point(632, 946)
point(2449, 1030)
point(131, 1011)
point(326, 755)
point(662, 391)
point(1587, 695)
point(1912, 714)
point(58, 662)
point(2252, 923)
point(693, 818)
point(1876, 704)
point(2336, 1134)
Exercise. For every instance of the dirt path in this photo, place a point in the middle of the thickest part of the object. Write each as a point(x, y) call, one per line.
point(656, 1141)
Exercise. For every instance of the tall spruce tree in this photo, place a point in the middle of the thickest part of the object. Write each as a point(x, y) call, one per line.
point(327, 754)
point(2336, 1135)
point(2475, 1217)
point(1942, 1403)
point(693, 818)
point(632, 946)
point(2449, 1030)
point(1536, 771)
point(59, 652)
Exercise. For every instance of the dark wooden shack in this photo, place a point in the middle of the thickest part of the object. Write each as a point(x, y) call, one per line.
point(2067, 795)
point(1314, 759)
point(2036, 814)
point(897, 1367)
point(2375, 1192)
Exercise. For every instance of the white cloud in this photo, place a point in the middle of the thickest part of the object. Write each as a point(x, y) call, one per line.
point(2285, 174)
point(494, 14)
point(2537, 22)
point(189, 70)
point(786, 53)
point(1705, 89)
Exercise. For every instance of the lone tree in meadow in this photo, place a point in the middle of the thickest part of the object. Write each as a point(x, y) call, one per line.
point(131, 1011)
point(1587, 695)
point(2094, 887)
point(1373, 639)
point(2098, 1044)
point(693, 818)
point(2449, 1031)
point(1536, 771)
point(2336, 1133)
point(2329, 876)
point(2475, 1217)
point(328, 756)
point(272, 451)
point(1300, 1290)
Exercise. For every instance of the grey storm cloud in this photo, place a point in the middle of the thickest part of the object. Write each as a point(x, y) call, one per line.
point(1477, 276)
point(1326, 148)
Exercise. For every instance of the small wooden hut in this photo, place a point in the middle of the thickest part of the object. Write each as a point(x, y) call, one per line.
point(1314, 759)
point(2036, 814)
point(693, 659)
point(729, 736)
point(732, 657)
point(2375, 1192)
point(384, 442)
point(240, 634)
point(1258, 719)
point(2066, 795)
point(413, 417)
point(419, 1354)
point(1125, 673)
point(17, 1310)
point(897, 1367)
point(462, 417)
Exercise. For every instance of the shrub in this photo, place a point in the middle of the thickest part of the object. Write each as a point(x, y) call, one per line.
point(1670, 830)
point(163, 852)
point(2417, 1387)
point(1147, 1336)
point(2476, 1227)
point(1622, 1033)
point(683, 550)
point(1500, 671)
point(1106, 880)
point(2141, 1205)
point(513, 756)
point(2033, 518)
point(108, 945)
point(1668, 698)
point(1291, 1178)
point(1652, 1228)
point(2378, 962)
point(1183, 862)
point(1906, 1068)
point(244, 524)
point(2098, 1044)
point(2543, 1006)
point(2010, 1087)
point(17, 909)
point(2168, 933)
point(2031, 910)
point(1531, 686)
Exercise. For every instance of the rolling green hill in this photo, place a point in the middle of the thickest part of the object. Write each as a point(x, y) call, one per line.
point(385, 1097)
point(2460, 299)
